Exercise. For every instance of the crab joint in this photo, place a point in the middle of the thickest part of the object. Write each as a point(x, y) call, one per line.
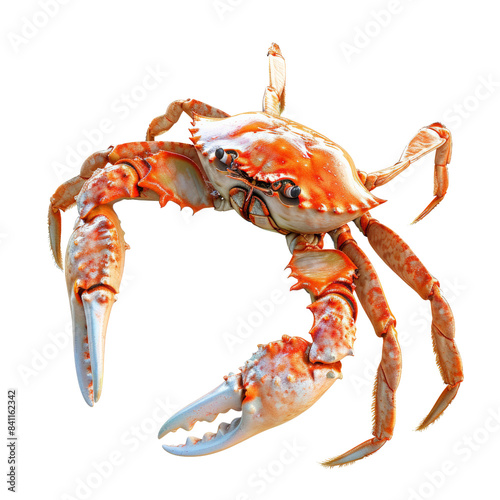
point(328, 277)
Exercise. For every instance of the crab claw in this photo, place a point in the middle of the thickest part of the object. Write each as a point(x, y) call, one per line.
point(94, 267)
point(275, 385)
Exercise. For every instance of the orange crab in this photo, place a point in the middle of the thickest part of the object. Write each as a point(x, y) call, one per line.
point(286, 178)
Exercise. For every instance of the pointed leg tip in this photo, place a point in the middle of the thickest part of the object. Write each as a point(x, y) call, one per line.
point(429, 208)
point(361, 451)
point(418, 218)
point(444, 400)
point(430, 419)
point(330, 464)
point(425, 423)
point(336, 462)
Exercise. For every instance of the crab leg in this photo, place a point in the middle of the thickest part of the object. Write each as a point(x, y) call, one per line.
point(163, 123)
point(283, 378)
point(273, 102)
point(64, 198)
point(328, 276)
point(96, 251)
point(401, 259)
point(435, 137)
point(94, 268)
point(274, 95)
point(372, 298)
point(65, 195)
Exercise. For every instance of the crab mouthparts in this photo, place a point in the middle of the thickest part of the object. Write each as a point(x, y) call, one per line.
point(228, 396)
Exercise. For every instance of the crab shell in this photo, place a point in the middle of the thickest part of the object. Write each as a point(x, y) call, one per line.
point(268, 150)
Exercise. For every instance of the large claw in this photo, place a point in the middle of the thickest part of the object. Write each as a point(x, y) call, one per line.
point(94, 267)
point(275, 385)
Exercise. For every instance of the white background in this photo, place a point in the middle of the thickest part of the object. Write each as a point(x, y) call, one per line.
point(191, 283)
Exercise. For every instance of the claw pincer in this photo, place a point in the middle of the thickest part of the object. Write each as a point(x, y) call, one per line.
point(94, 268)
point(275, 385)
point(284, 378)
point(96, 250)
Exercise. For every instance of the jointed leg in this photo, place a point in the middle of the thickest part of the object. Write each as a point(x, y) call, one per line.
point(372, 298)
point(283, 378)
point(327, 275)
point(401, 259)
point(274, 95)
point(164, 122)
point(64, 197)
point(96, 252)
point(434, 137)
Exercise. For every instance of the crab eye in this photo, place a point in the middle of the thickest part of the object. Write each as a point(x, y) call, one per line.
point(287, 191)
point(292, 191)
point(226, 157)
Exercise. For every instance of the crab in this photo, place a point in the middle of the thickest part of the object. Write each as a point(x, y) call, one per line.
point(283, 177)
